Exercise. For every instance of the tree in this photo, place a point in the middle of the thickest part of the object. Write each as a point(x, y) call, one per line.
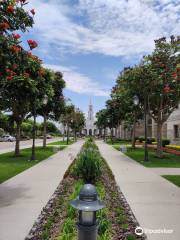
point(164, 81)
point(101, 121)
point(54, 104)
point(15, 63)
point(67, 118)
point(78, 122)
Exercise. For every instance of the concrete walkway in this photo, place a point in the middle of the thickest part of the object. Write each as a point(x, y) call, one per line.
point(166, 171)
point(154, 201)
point(23, 196)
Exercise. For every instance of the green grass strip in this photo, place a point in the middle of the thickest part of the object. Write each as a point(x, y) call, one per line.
point(173, 178)
point(11, 165)
point(168, 160)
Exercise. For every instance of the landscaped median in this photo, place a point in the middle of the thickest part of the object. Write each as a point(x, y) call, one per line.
point(11, 165)
point(58, 219)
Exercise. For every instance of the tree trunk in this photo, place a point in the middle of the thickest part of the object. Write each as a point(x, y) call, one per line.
point(75, 138)
point(112, 135)
point(134, 135)
point(63, 131)
point(159, 140)
point(44, 131)
point(18, 135)
point(67, 140)
point(104, 134)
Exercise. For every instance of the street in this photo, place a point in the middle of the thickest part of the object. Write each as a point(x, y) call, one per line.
point(9, 146)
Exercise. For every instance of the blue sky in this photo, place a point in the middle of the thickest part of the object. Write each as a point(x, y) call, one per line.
point(90, 41)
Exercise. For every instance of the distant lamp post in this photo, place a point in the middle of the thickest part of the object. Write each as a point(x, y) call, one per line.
point(45, 101)
point(87, 203)
point(136, 102)
point(33, 155)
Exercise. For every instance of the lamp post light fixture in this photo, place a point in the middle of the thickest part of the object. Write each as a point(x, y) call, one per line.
point(135, 100)
point(87, 203)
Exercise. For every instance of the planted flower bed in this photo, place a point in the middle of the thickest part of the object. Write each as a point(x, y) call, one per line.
point(58, 219)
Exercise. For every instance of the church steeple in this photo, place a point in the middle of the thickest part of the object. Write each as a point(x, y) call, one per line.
point(90, 111)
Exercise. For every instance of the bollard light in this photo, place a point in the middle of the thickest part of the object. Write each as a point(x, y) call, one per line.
point(87, 203)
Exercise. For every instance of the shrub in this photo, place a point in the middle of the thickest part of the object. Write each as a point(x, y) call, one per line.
point(165, 142)
point(88, 165)
point(141, 139)
point(175, 147)
point(151, 140)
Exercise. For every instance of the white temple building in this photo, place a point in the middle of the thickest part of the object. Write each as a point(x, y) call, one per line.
point(90, 127)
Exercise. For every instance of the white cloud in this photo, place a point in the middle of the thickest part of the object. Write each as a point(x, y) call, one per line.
point(78, 82)
point(109, 27)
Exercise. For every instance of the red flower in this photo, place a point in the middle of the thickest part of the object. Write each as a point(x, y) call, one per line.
point(26, 75)
point(4, 25)
point(32, 11)
point(32, 44)
point(9, 78)
point(167, 89)
point(14, 66)
point(16, 36)
point(174, 75)
point(10, 9)
point(15, 49)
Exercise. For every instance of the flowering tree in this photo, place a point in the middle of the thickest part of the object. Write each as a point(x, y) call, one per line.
point(19, 68)
point(164, 82)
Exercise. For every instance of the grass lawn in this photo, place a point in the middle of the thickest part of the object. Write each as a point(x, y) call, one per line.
point(173, 178)
point(61, 142)
point(11, 166)
point(169, 160)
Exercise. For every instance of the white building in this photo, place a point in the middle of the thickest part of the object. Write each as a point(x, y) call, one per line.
point(90, 127)
point(173, 126)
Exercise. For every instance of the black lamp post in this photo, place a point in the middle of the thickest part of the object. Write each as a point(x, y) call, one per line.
point(136, 102)
point(87, 203)
point(33, 155)
point(45, 101)
point(145, 130)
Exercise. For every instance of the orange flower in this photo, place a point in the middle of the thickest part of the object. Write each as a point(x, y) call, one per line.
point(10, 9)
point(26, 75)
point(15, 49)
point(9, 78)
point(14, 66)
point(4, 25)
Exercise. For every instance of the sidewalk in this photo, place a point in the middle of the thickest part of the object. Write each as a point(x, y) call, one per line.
point(166, 171)
point(154, 201)
point(23, 196)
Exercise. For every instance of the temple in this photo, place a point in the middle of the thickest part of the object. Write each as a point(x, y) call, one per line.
point(90, 127)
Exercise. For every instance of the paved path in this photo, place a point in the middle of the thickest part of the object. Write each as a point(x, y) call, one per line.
point(23, 196)
point(9, 146)
point(166, 171)
point(154, 201)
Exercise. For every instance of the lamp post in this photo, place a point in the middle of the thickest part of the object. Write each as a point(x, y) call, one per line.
point(33, 156)
point(145, 130)
point(45, 101)
point(136, 103)
point(87, 203)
